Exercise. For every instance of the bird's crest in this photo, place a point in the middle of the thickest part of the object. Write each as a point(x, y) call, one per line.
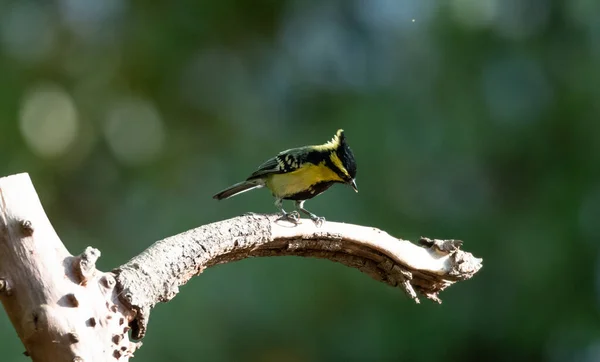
point(337, 140)
point(340, 155)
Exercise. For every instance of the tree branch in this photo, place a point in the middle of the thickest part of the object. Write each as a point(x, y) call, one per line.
point(64, 309)
point(156, 274)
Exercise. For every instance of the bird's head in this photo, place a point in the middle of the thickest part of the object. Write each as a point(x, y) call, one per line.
point(347, 163)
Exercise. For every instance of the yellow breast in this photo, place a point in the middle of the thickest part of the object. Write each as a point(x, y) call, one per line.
point(286, 184)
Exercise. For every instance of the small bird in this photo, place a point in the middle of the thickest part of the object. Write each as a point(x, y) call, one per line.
point(300, 174)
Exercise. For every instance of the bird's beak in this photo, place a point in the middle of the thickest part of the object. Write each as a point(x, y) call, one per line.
point(353, 185)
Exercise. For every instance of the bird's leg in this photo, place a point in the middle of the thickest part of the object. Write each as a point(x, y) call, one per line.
point(319, 220)
point(293, 216)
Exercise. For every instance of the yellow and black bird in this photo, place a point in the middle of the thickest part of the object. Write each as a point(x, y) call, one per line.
point(300, 174)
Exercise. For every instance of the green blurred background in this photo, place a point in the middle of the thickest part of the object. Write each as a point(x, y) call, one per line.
point(469, 119)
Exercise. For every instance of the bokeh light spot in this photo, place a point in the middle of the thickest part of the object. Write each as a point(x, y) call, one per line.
point(92, 20)
point(522, 19)
point(48, 120)
point(474, 13)
point(134, 131)
point(583, 12)
point(27, 32)
point(395, 15)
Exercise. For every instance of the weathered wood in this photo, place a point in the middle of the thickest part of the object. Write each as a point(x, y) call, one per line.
point(64, 309)
point(155, 275)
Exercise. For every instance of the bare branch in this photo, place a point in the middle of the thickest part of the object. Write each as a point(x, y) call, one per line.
point(64, 309)
point(56, 316)
point(155, 275)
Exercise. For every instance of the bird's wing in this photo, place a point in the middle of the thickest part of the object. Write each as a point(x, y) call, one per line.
point(270, 166)
point(285, 161)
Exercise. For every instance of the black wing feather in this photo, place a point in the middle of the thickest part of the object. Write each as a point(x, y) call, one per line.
point(285, 161)
point(270, 166)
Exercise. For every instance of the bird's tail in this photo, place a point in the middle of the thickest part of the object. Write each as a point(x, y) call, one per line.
point(238, 189)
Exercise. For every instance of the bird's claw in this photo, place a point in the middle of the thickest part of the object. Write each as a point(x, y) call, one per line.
point(318, 220)
point(293, 217)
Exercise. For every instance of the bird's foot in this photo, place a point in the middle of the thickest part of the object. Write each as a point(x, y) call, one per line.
point(318, 220)
point(293, 217)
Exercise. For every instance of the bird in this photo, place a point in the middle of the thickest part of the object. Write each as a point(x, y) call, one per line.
point(301, 173)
